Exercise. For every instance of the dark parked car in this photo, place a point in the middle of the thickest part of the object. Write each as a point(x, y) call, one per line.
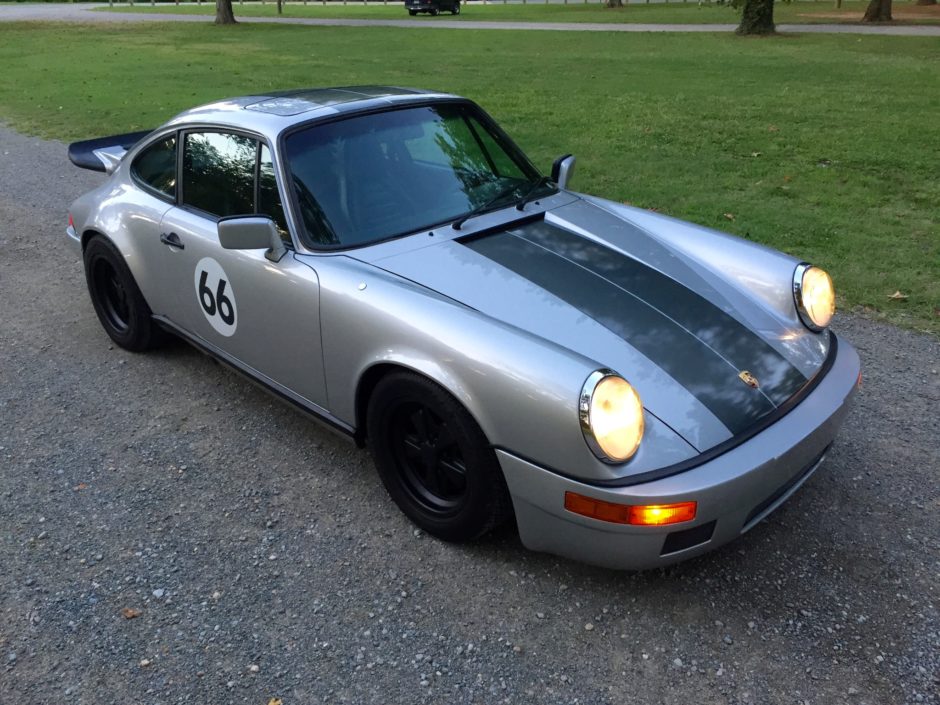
point(433, 7)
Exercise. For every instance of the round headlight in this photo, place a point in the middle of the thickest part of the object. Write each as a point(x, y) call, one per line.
point(815, 296)
point(611, 416)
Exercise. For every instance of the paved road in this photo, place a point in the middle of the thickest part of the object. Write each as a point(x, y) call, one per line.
point(81, 12)
point(266, 561)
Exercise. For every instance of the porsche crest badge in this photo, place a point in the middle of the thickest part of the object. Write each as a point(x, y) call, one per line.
point(748, 379)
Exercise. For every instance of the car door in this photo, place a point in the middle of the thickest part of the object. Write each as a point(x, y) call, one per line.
point(263, 315)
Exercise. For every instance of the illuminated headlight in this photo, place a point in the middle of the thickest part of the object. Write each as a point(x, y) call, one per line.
point(611, 416)
point(815, 297)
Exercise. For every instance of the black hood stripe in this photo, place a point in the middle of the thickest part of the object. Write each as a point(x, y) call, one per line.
point(724, 334)
point(682, 355)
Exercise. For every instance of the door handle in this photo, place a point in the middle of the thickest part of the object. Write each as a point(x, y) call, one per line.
point(172, 239)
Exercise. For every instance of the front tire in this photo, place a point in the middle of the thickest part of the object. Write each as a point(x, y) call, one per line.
point(434, 460)
point(456, 9)
point(121, 308)
point(434, 12)
point(412, 12)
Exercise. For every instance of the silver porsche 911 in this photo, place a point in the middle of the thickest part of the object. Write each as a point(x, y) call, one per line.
point(632, 389)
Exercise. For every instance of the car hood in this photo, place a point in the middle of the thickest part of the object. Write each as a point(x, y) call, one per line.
point(708, 358)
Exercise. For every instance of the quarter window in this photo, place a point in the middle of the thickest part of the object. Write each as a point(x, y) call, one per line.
point(155, 166)
point(269, 199)
point(219, 173)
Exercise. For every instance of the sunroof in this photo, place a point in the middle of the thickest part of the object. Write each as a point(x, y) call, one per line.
point(296, 102)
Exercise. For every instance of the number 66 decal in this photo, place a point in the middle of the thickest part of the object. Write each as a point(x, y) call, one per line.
point(216, 296)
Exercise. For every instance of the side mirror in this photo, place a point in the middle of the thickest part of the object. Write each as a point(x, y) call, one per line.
point(563, 170)
point(252, 232)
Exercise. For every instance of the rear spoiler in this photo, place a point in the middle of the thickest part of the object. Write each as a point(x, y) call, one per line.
point(104, 153)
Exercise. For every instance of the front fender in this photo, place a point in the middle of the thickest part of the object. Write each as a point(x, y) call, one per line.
point(521, 389)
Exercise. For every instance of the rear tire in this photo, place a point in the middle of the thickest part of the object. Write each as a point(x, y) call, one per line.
point(455, 10)
point(434, 460)
point(121, 308)
point(412, 12)
point(434, 12)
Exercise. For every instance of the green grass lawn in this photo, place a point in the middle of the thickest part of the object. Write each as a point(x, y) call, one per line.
point(801, 12)
point(822, 146)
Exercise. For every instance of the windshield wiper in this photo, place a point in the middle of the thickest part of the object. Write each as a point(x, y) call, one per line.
point(485, 206)
point(529, 194)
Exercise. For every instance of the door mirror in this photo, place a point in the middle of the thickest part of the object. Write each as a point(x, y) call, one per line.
point(563, 170)
point(252, 232)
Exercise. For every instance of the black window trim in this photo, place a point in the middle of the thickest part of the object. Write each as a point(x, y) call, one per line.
point(504, 141)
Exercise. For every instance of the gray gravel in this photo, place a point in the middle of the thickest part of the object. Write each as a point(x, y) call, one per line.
point(170, 534)
point(83, 13)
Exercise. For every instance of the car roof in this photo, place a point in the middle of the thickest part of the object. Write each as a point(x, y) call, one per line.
point(271, 112)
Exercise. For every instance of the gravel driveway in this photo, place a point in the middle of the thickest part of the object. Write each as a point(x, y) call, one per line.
point(170, 534)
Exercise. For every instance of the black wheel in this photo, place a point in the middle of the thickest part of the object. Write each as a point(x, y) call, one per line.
point(434, 12)
point(434, 460)
point(455, 10)
point(120, 306)
point(412, 12)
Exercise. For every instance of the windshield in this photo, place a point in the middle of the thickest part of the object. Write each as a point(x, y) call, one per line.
point(374, 177)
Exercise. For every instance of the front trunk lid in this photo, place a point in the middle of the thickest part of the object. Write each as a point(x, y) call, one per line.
point(678, 339)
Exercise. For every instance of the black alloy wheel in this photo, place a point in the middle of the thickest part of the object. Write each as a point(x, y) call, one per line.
point(121, 308)
point(110, 291)
point(429, 458)
point(434, 460)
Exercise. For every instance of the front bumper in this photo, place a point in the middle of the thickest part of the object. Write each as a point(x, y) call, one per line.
point(734, 491)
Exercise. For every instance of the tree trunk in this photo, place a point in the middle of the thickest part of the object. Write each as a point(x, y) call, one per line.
point(223, 12)
point(878, 11)
point(614, 3)
point(280, 7)
point(757, 17)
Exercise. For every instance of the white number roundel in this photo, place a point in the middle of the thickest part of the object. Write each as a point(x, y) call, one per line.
point(216, 296)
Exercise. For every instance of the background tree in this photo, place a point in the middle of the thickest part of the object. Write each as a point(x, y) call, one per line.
point(757, 16)
point(223, 12)
point(878, 11)
point(280, 8)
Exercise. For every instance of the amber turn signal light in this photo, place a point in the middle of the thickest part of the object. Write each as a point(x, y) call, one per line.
point(635, 514)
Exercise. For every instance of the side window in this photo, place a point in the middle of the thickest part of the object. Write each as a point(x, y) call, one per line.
point(156, 166)
point(219, 173)
point(269, 200)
